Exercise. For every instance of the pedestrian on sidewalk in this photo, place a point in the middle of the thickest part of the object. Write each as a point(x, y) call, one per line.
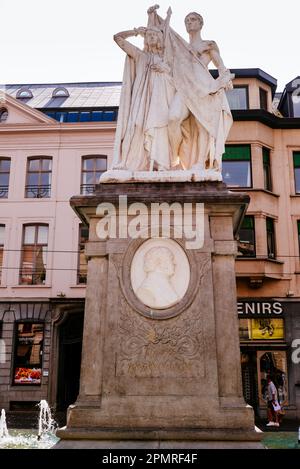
point(273, 405)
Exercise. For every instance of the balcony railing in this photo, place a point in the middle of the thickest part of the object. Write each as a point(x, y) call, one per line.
point(38, 192)
point(3, 192)
point(86, 189)
point(32, 277)
point(259, 268)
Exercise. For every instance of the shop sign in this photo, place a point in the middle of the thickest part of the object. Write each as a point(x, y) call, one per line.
point(260, 309)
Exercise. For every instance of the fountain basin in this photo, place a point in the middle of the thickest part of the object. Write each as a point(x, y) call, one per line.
point(27, 439)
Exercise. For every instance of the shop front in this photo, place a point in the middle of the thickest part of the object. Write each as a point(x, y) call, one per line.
point(40, 353)
point(267, 332)
point(26, 339)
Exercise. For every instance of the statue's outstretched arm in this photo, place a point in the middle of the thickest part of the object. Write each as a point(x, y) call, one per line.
point(225, 76)
point(216, 58)
point(130, 49)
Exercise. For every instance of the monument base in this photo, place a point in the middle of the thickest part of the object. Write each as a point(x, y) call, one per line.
point(159, 439)
point(120, 176)
point(166, 376)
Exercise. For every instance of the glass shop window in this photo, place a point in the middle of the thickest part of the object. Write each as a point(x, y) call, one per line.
point(28, 353)
point(266, 329)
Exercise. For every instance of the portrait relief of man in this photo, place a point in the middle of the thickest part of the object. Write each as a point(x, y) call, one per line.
point(160, 273)
point(156, 290)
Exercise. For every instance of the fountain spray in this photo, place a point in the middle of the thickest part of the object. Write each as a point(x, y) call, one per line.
point(46, 423)
point(3, 426)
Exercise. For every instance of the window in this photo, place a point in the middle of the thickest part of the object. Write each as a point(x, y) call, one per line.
point(263, 98)
point(23, 406)
point(4, 177)
point(72, 116)
point(246, 243)
point(38, 184)
point(296, 105)
point(82, 262)
point(61, 116)
point(92, 168)
point(60, 92)
point(296, 156)
point(237, 166)
point(28, 353)
point(238, 97)
point(3, 114)
point(261, 329)
point(271, 245)
point(2, 232)
point(267, 169)
point(34, 252)
point(24, 93)
point(85, 116)
point(75, 115)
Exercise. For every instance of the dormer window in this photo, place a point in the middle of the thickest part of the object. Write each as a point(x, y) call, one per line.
point(60, 92)
point(24, 93)
point(289, 104)
point(3, 114)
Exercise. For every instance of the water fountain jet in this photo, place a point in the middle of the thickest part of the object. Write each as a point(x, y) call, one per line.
point(46, 424)
point(43, 438)
point(3, 426)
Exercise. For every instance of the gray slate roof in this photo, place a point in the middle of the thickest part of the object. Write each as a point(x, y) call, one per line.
point(82, 95)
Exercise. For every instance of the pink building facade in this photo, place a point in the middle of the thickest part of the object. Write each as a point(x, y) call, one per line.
point(42, 273)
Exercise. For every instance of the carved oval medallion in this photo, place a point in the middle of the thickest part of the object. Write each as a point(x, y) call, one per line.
point(160, 273)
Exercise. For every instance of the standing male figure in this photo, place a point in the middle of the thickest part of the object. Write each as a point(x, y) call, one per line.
point(207, 154)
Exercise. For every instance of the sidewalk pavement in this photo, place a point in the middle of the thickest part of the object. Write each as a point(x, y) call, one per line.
point(283, 437)
point(287, 425)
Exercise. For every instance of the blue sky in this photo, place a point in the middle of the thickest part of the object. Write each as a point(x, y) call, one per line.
point(47, 41)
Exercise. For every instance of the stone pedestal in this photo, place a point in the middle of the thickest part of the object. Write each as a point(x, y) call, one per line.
point(169, 375)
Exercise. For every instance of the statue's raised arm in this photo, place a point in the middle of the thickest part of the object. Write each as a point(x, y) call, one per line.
point(121, 40)
point(142, 140)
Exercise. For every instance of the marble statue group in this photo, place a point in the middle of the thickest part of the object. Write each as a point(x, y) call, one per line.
point(173, 115)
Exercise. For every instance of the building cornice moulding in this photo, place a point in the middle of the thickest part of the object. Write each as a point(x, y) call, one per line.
point(57, 127)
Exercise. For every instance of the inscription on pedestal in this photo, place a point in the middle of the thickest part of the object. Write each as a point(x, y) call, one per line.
point(160, 349)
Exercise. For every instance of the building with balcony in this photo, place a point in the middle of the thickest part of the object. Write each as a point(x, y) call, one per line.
point(55, 141)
